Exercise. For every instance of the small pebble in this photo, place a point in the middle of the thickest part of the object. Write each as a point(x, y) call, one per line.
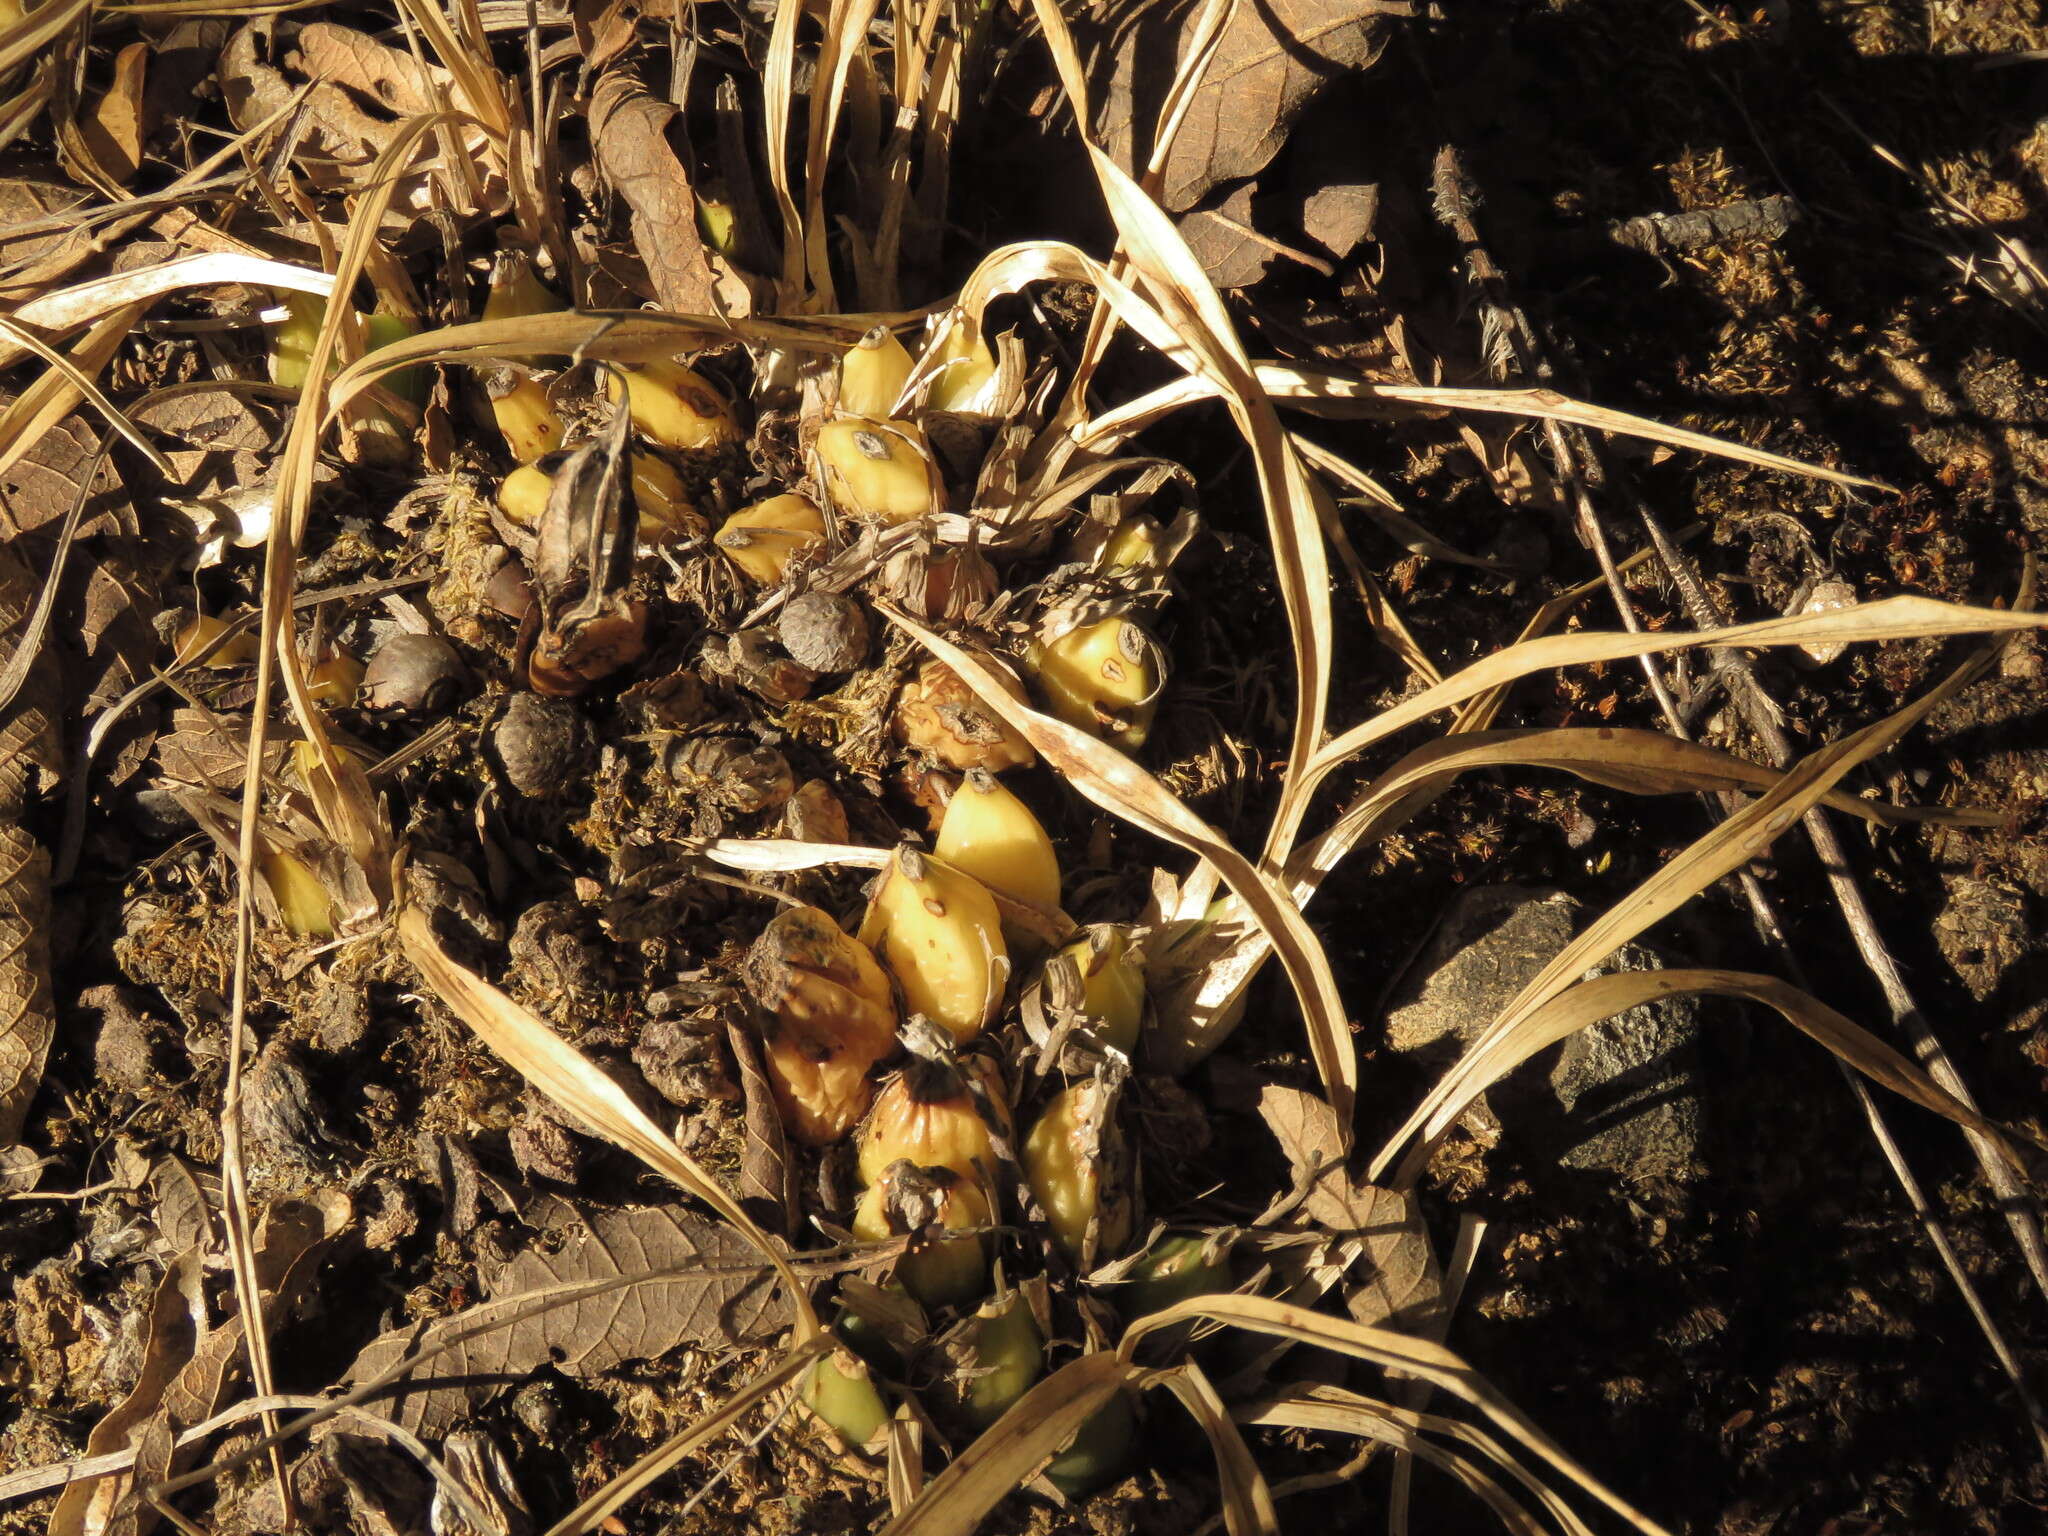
point(824, 631)
point(414, 674)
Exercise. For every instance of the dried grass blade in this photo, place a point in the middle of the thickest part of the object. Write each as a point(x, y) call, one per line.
point(1397, 1352)
point(594, 1511)
point(1894, 618)
point(1734, 842)
point(1035, 1426)
point(1329, 395)
point(1334, 1410)
point(846, 29)
point(1111, 780)
point(569, 1079)
point(81, 304)
point(1198, 1015)
point(81, 383)
point(475, 77)
point(1494, 1056)
point(1247, 1501)
point(51, 397)
point(778, 82)
point(784, 855)
point(906, 1459)
point(1633, 761)
point(35, 29)
point(1177, 283)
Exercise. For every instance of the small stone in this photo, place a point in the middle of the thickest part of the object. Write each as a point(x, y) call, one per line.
point(414, 674)
point(1623, 1095)
point(1827, 597)
point(542, 744)
point(824, 631)
point(155, 814)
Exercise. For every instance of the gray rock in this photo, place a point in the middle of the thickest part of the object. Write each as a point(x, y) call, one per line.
point(1621, 1097)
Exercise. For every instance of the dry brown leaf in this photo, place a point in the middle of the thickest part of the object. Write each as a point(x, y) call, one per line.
point(1383, 1227)
point(1270, 62)
point(189, 1366)
point(173, 1329)
point(1226, 242)
point(30, 743)
point(44, 210)
point(336, 140)
point(573, 1083)
point(391, 77)
point(115, 130)
point(206, 417)
point(632, 1284)
point(767, 1174)
point(204, 749)
point(38, 488)
point(629, 129)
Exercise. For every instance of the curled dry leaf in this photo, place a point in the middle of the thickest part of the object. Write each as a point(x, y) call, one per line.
point(624, 1285)
point(1400, 1284)
point(188, 1366)
point(629, 130)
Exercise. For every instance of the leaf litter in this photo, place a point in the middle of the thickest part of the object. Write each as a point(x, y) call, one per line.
point(541, 965)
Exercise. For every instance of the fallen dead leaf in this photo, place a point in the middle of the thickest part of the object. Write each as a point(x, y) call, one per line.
point(1271, 61)
point(116, 130)
point(631, 1285)
point(630, 131)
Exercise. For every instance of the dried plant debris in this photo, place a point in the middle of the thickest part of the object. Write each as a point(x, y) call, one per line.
point(592, 1290)
point(651, 751)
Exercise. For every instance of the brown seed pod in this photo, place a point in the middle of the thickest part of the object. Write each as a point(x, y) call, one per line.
point(541, 744)
point(414, 674)
point(738, 774)
point(939, 715)
point(824, 631)
point(831, 1017)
